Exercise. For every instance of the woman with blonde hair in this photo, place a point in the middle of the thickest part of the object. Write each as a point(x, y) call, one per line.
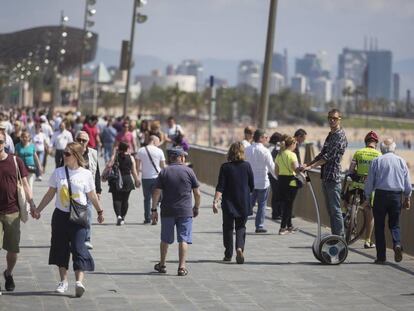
point(69, 183)
point(235, 183)
point(286, 168)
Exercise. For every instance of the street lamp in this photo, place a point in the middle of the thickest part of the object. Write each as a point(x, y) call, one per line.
point(87, 23)
point(136, 18)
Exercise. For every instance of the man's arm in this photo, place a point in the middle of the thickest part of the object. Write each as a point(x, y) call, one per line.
point(197, 200)
point(155, 198)
point(369, 183)
point(270, 164)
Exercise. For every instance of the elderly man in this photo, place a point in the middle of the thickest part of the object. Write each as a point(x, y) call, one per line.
point(91, 158)
point(177, 181)
point(330, 161)
point(389, 177)
point(9, 210)
point(150, 160)
point(262, 163)
point(8, 143)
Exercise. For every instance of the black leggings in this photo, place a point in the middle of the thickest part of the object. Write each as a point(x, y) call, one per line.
point(229, 224)
point(120, 200)
point(287, 197)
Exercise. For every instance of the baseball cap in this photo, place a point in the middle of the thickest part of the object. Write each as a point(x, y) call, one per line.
point(176, 151)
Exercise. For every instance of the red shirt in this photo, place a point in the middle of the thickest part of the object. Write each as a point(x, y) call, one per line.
point(8, 184)
point(92, 133)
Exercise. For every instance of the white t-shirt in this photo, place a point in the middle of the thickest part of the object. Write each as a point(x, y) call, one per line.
point(39, 141)
point(47, 129)
point(61, 139)
point(81, 182)
point(148, 170)
point(172, 133)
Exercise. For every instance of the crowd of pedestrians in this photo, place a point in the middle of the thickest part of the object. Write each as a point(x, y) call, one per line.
point(133, 158)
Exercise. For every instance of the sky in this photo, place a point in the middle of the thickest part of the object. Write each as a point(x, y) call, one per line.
point(230, 29)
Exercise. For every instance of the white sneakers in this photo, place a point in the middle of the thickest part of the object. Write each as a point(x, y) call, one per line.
point(62, 287)
point(79, 289)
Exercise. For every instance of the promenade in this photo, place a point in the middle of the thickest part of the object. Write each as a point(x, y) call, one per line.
point(280, 272)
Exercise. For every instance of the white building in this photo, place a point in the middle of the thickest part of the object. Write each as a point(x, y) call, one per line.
point(299, 84)
point(185, 83)
point(339, 87)
point(249, 74)
point(322, 90)
point(277, 83)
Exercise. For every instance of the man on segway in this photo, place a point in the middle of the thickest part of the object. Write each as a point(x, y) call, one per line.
point(358, 172)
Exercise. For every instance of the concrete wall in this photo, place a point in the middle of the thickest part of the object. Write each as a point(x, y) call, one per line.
point(206, 164)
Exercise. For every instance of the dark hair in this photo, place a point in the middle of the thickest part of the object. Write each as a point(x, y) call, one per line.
point(257, 134)
point(123, 146)
point(335, 110)
point(236, 152)
point(171, 118)
point(275, 138)
point(248, 130)
point(300, 132)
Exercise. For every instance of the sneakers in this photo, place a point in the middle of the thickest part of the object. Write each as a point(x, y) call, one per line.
point(89, 244)
point(118, 221)
point(122, 222)
point(292, 229)
point(261, 230)
point(240, 256)
point(79, 289)
point(368, 245)
point(397, 255)
point(283, 232)
point(10, 286)
point(379, 262)
point(39, 178)
point(146, 222)
point(62, 287)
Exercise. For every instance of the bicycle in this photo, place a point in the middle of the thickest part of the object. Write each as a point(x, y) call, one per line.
point(354, 217)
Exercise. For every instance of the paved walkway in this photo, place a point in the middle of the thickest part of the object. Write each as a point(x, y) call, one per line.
point(280, 272)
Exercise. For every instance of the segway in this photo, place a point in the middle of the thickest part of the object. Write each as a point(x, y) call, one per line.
point(329, 249)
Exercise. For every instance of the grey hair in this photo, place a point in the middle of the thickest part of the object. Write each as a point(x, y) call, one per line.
point(387, 146)
point(81, 133)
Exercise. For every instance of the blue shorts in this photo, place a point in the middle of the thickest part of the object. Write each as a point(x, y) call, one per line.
point(184, 229)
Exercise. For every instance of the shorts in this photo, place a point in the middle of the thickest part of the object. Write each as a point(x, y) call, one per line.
point(10, 232)
point(184, 227)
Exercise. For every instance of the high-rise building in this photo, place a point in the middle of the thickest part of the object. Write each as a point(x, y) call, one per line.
point(310, 66)
point(322, 90)
point(280, 64)
point(396, 87)
point(277, 83)
point(298, 84)
point(249, 73)
point(371, 70)
point(192, 68)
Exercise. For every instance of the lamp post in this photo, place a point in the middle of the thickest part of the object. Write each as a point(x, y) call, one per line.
point(136, 18)
point(264, 96)
point(87, 23)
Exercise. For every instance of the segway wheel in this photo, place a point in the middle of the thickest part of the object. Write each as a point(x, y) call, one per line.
point(315, 250)
point(333, 250)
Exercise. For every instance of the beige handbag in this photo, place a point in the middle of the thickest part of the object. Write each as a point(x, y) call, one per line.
point(21, 195)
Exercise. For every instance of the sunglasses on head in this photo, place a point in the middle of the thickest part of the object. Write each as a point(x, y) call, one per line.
point(67, 153)
point(82, 141)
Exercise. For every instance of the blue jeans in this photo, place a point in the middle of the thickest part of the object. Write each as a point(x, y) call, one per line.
point(259, 195)
point(332, 191)
point(41, 155)
point(147, 188)
point(88, 230)
point(107, 151)
point(386, 202)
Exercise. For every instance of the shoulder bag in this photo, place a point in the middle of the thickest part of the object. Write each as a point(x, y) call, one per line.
point(78, 212)
point(152, 161)
point(115, 176)
point(21, 195)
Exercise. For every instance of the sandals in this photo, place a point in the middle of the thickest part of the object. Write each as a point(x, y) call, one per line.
point(160, 269)
point(182, 272)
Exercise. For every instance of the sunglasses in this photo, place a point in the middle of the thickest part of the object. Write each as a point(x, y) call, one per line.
point(2, 142)
point(67, 154)
point(82, 141)
point(333, 118)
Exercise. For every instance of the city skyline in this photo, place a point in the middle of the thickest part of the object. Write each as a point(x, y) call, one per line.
point(217, 29)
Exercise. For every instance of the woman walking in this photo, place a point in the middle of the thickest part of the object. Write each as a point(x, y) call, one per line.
point(235, 183)
point(286, 168)
point(120, 195)
point(41, 142)
point(67, 236)
point(27, 152)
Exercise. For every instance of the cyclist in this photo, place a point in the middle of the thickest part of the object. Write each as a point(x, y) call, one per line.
point(358, 171)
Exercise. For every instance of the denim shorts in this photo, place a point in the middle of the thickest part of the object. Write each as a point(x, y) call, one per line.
point(184, 227)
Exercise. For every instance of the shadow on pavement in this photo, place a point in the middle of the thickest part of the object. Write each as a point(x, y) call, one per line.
point(39, 293)
point(35, 246)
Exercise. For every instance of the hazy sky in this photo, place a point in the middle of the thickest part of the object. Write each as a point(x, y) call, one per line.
point(230, 29)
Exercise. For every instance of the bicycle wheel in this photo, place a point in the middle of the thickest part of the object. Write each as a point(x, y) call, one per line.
point(355, 220)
